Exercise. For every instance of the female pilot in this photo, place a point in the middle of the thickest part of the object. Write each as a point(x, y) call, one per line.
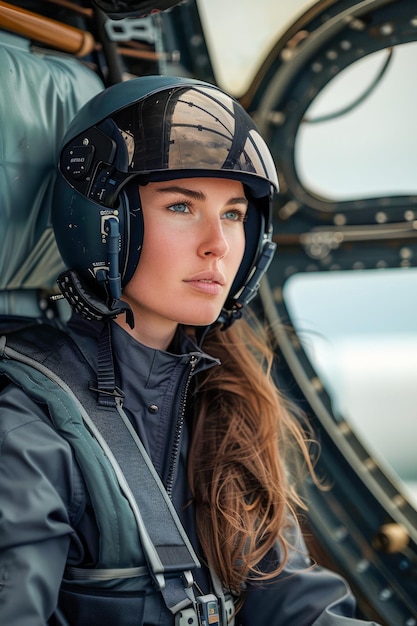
point(162, 215)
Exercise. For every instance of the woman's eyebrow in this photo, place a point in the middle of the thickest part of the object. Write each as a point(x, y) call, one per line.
point(198, 195)
point(238, 200)
point(191, 193)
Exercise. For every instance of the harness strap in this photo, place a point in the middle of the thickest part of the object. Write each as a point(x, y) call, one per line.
point(105, 386)
point(165, 543)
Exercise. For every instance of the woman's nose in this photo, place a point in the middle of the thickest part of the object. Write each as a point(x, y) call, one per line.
point(213, 240)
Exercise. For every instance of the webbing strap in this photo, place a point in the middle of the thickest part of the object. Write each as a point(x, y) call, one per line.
point(105, 386)
point(163, 537)
point(174, 552)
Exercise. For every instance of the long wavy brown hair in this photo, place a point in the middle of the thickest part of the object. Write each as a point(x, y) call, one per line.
point(244, 429)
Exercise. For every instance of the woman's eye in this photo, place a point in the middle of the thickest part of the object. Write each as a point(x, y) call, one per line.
point(235, 215)
point(179, 207)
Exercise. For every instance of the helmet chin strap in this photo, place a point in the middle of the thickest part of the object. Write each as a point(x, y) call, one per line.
point(251, 287)
point(234, 306)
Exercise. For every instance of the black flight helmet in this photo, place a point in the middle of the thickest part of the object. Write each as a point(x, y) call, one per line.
point(148, 129)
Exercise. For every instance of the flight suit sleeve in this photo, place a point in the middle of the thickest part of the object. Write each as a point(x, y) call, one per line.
point(35, 499)
point(302, 595)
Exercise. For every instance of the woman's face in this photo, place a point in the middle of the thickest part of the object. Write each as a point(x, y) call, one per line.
point(193, 244)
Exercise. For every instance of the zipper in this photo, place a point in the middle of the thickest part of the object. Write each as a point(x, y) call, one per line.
point(179, 427)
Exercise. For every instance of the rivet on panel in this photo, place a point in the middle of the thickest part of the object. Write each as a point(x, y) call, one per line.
point(345, 428)
point(340, 533)
point(406, 253)
point(316, 384)
point(387, 29)
point(370, 464)
point(391, 538)
point(385, 594)
point(345, 44)
point(339, 219)
point(317, 67)
point(356, 24)
point(362, 566)
point(399, 500)
point(331, 55)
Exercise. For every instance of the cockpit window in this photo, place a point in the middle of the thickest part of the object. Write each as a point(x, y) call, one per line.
point(360, 338)
point(358, 138)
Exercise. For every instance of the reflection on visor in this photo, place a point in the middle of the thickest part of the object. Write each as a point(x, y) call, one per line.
point(200, 128)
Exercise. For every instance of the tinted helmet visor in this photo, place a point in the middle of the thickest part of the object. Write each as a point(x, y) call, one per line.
point(195, 131)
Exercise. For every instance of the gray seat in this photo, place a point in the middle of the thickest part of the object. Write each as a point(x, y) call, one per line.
point(40, 93)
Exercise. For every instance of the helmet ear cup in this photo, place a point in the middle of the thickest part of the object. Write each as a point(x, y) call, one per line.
point(254, 232)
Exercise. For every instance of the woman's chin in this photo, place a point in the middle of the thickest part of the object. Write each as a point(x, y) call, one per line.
point(202, 319)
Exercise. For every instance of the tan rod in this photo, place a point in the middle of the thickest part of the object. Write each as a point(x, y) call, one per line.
point(45, 30)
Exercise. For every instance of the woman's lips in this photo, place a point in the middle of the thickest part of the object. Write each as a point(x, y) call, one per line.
point(210, 283)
